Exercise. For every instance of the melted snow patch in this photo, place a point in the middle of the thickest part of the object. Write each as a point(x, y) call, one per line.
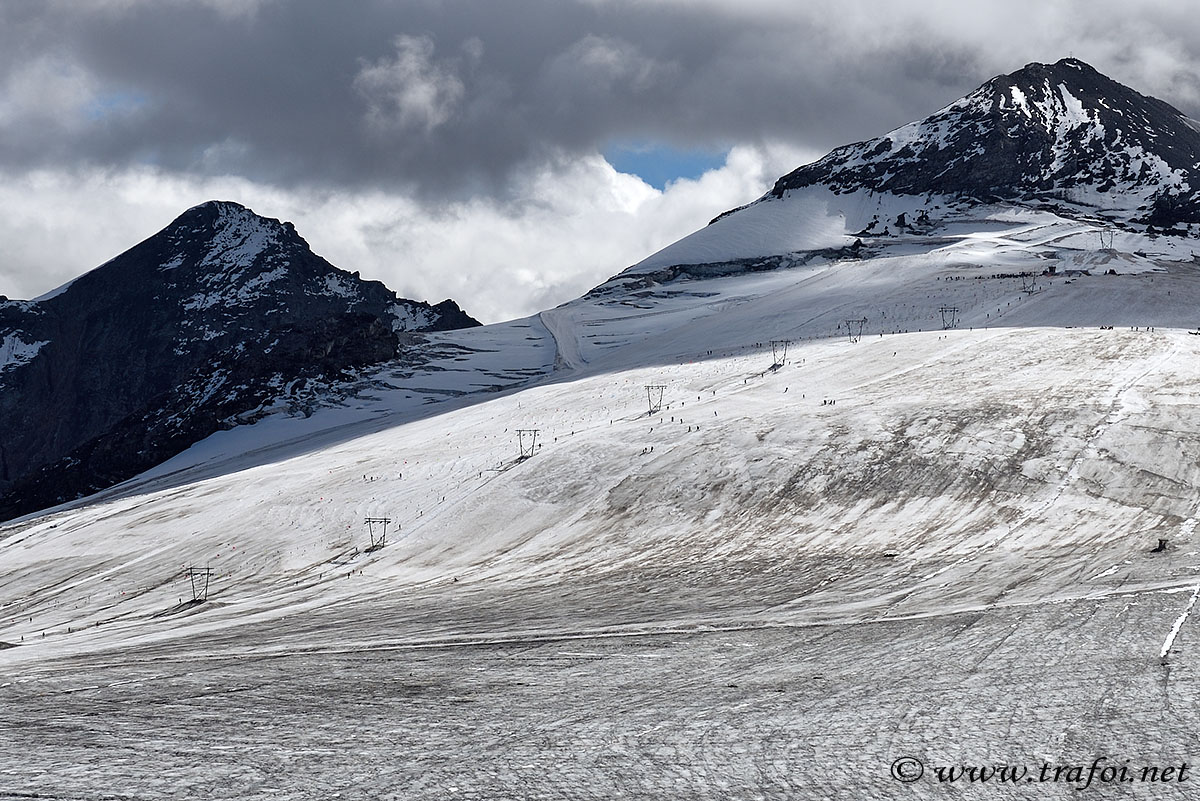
point(261, 280)
point(239, 238)
point(15, 351)
point(1020, 102)
point(338, 286)
point(411, 318)
point(1108, 572)
point(1166, 646)
point(234, 296)
point(1074, 113)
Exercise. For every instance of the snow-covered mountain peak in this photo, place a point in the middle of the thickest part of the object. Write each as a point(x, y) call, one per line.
point(1060, 134)
point(1058, 145)
point(218, 219)
point(226, 243)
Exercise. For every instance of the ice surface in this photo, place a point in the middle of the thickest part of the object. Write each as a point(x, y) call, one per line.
point(926, 542)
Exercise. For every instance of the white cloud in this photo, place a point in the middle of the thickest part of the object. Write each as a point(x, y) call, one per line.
point(578, 222)
point(608, 60)
point(48, 91)
point(411, 90)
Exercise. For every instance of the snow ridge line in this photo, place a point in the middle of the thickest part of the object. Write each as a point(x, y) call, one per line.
point(1166, 647)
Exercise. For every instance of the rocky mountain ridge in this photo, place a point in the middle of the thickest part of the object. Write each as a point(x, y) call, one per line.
point(186, 333)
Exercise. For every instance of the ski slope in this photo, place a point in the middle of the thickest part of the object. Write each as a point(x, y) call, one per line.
point(926, 542)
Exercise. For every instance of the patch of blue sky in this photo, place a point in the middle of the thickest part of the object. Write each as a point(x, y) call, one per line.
point(658, 164)
point(113, 104)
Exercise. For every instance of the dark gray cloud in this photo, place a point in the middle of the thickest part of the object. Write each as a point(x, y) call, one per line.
point(451, 148)
point(450, 98)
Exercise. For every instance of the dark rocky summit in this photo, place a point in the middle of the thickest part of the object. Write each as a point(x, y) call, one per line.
point(187, 333)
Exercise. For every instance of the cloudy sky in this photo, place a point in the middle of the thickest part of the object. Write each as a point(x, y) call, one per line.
point(507, 153)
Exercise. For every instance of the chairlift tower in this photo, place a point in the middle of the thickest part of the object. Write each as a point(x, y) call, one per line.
point(854, 328)
point(654, 397)
point(779, 348)
point(1106, 239)
point(381, 540)
point(527, 441)
point(1029, 284)
point(949, 317)
point(200, 578)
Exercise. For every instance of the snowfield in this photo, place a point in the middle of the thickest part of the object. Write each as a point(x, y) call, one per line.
point(903, 541)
